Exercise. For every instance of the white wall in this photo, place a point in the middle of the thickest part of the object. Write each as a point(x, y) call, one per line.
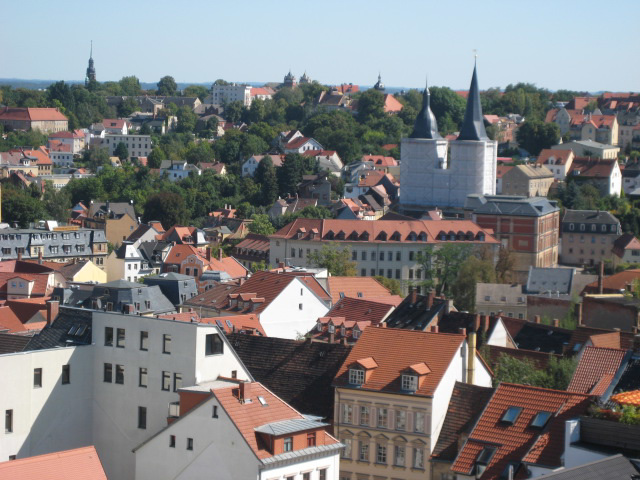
point(283, 318)
point(330, 463)
point(499, 336)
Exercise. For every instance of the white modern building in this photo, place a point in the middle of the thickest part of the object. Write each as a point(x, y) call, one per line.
point(429, 178)
point(178, 170)
point(224, 94)
point(137, 145)
point(105, 379)
point(126, 263)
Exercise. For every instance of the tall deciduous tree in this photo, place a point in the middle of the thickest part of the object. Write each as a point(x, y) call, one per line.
point(267, 178)
point(534, 136)
point(472, 271)
point(167, 86)
point(261, 224)
point(121, 151)
point(166, 207)
point(441, 264)
point(335, 258)
point(130, 85)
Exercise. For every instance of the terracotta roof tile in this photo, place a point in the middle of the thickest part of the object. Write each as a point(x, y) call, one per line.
point(359, 309)
point(560, 157)
point(627, 398)
point(9, 321)
point(581, 334)
point(355, 287)
point(248, 323)
point(78, 464)
point(391, 105)
point(394, 350)
point(615, 283)
point(606, 340)
point(595, 364)
point(518, 441)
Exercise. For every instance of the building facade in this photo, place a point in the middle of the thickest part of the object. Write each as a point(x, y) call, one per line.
point(527, 181)
point(137, 145)
point(588, 237)
point(225, 94)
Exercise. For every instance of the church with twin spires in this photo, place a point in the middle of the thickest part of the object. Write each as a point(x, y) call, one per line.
point(435, 172)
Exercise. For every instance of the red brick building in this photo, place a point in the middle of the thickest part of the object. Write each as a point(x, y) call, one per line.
point(528, 227)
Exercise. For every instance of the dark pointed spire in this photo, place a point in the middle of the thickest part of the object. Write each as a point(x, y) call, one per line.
point(426, 125)
point(473, 125)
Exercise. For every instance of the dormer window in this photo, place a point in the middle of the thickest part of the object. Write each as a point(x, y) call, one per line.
point(332, 328)
point(511, 415)
point(410, 383)
point(319, 326)
point(356, 333)
point(356, 376)
point(484, 457)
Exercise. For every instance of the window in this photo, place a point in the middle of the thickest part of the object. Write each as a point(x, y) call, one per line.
point(399, 455)
point(347, 412)
point(299, 306)
point(401, 419)
point(213, 344)
point(311, 439)
point(322, 474)
point(354, 255)
point(398, 256)
point(108, 336)
point(397, 273)
point(390, 256)
point(142, 377)
point(306, 476)
point(363, 272)
point(409, 383)
point(363, 451)
point(381, 453)
point(418, 458)
point(172, 441)
point(346, 453)
point(37, 378)
point(66, 374)
point(120, 338)
point(108, 373)
point(144, 341)
point(363, 255)
point(142, 418)
point(288, 444)
point(189, 443)
point(8, 421)
point(214, 412)
point(412, 256)
point(364, 415)
point(120, 374)
point(166, 344)
point(419, 422)
point(541, 419)
point(177, 381)
point(383, 417)
point(356, 376)
point(511, 415)
point(166, 381)
point(483, 459)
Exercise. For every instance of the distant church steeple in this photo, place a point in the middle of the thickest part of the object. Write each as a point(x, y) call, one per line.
point(426, 125)
point(473, 125)
point(379, 85)
point(91, 71)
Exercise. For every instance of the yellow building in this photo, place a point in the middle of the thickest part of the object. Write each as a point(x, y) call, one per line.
point(391, 399)
point(83, 271)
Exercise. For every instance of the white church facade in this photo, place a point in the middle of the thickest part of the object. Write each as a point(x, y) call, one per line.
point(437, 173)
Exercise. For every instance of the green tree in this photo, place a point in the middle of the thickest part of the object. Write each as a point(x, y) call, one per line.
point(556, 375)
point(130, 85)
point(441, 264)
point(166, 207)
point(127, 107)
point(448, 108)
point(472, 271)
point(290, 174)
point(267, 178)
point(96, 158)
point(261, 224)
point(504, 265)
point(233, 111)
point(370, 105)
point(256, 111)
point(56, 203)
point(121, 151)
point(534, 136)
point(167, 86)
point(391, 283)
point(19, 206)
point(199, 91)
point(335, 258)
point(186, 120)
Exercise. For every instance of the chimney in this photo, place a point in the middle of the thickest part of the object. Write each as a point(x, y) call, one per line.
point(241, 391)
point(332, 337)
point(434, 329)
point(462, 331)
point(414, 296)
point(536, 319)
point(431, 295)
point(207, 252)
point(129, 309)
point(449, 307)
point(601, 278)
point(19, 255)
point(485, 323)
point(476, 322)
point(220, 254)
point(53, 307)
point(579, 307)
point(281, 265)
point(40, 257)
point(556, 322)
point(471, 359)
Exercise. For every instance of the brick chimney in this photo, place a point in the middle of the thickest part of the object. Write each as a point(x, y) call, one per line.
point(243, 391)
point(434, 328)
point(476, 322)
point(601, 278)
point(536, 319)
point(462, 331)
point(556, 322)
point(413, 296)
point(430, 296)
point(19, 255)
point(40, 257)
point(207, 252)
point(485, 323)
point(53, 306)
point(129, 309)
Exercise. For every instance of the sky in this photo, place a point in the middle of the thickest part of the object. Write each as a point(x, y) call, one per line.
point(570, 44)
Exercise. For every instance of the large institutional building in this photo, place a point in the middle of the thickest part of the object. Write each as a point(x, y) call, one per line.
point(431, 178)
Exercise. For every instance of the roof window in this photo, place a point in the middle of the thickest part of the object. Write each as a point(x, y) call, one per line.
point(541, 419)
point(511, 415)
point(484, 457)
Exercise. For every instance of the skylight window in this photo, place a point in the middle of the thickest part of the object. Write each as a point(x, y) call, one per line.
point(229, 324)
point(484, 457)
point(219, 323)
point(262, 401)
point(511, 415)
point(541, 419)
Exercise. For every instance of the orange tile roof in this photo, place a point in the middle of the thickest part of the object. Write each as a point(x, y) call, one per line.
point(41, 155)
point(561, 157)
point(78, 464)
point(9, 321)
point(519, 441)
point(502, 169)
point(297, 142)
point(239, 323)
point(581, 334)
point(595, 365)
point(391, 105)
point(627, 398)
point(394, 350)
point(380, 160)
point(179, 252)
point(355, 287)
point(373, 231)
point(615, 283)
point(46, 114)
point(597, 167)
point(249, 416)
point(606, 340)
point(360, 309)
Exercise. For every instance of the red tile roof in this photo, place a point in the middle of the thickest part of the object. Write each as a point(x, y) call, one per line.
point(41, 155)
point(9, 321)
point(616, 283)
point(179, 252)
point(581, 334)
point(259, 91)
point(502, 169)
point(297, 142)
point(380, 160)
point(626, 241)
point(247, 416)
point(606, 340)
point(391, 105)
point(627, 398)
point(560, 157)
point(361, 310)
point(248, 323)
point(355, 287)
point(389, 146)
point(519, 441)
point(394, 350)
point(78, 464)
point(597, 167)
point(33, 114)
point(596, 370)
point(118, 123)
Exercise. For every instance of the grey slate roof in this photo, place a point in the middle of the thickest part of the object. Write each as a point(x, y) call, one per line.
point(541, 280)
point(473, 124)
point(56, 244)
point(510, 205)
point(425, 125)
point(175, 286)
point(60, 333)
point(118, 209)
point(589, 217)
point(11, 343)
point(301, 453)
point(290, 426)
point(616, 467)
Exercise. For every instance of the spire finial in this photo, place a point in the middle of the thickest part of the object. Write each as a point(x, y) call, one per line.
point(475, 57)
point(91, 51)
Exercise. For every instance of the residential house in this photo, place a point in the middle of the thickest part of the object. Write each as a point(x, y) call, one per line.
point(273, 297)
point(239, 430)
point(357, 287)
point(316, 186)
point(154, 253)
point(383, 247)
point(119, 126)
point(47, 120)
point(327, 161)
point(333, 100)
point(117, 219)
point(82, 271)
point(261, 93)
point(126, 263)
point(251, 165)
point(357, 209)
point(557, 161)
point(589, 148)
point(60, 154)
point(626, 249)
point(630, 177)
point(290, 205)
point(78, 464)
point(618, 283)
point(611, 311)
point(527, 181)
point(383, 164)
point(182, 235)
point(368, 179)
point(497, 298)
point(225, 94)
point(527, 227)
point(252, 250)
point(146, 232)
point(598, 128)
point(588, 237)
point(178, 170)
point(218, 168)
point(154, 103)
point(176, 287)
point(501, 169)
point(419, 312)
point(74, 139)
point(519, 434)
point(137, 145)
point(506, 128)
point(301, 145)
point(391, 399)
point(17, 162)
point(605, 175)
point(36, 156)
point(616, 466)
point(597, 369)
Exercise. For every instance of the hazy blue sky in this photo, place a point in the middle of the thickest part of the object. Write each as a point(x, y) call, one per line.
point(555, 44)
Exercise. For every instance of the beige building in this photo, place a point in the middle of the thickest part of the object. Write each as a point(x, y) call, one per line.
point(137, 145)
point(118, 220)
point(47, 120)
point(527, 181)
point(557, 161)
point(588, 237)
point(388, 248)
point(391, 398)
point(589, 148)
